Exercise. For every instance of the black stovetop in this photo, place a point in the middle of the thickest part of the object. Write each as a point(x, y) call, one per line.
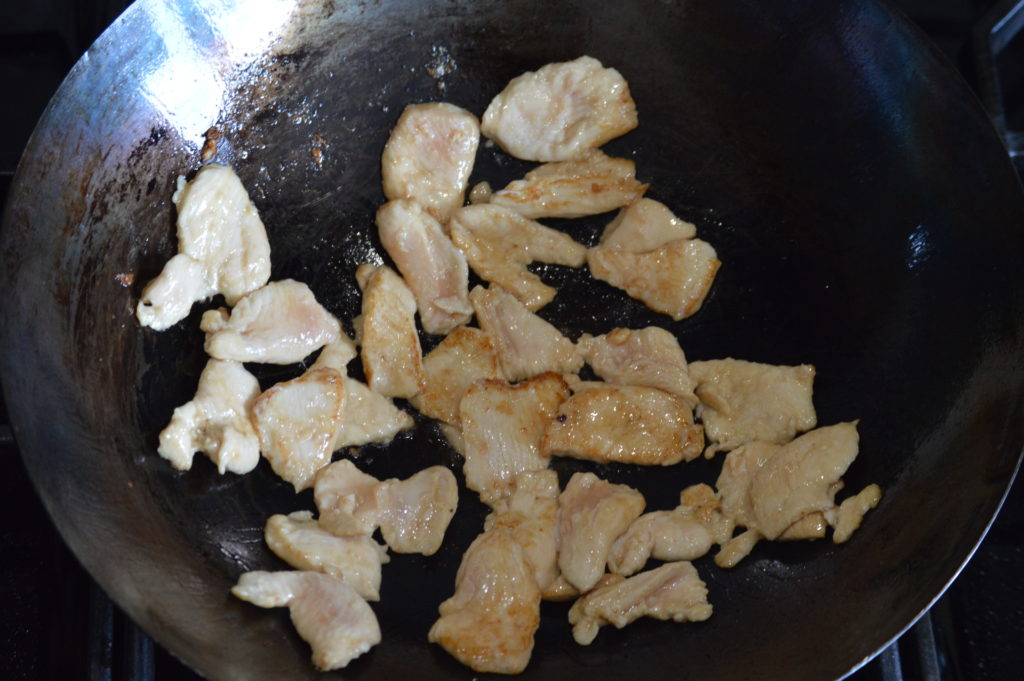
point(58, 625)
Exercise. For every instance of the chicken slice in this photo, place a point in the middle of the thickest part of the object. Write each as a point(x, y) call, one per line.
point(560, 111)
point(738, 470)
point(346, 499)
point(280, 323)
point(593, 183)
point(645, 225)
point(673, 591)
point(216, 421)
point(502, 426)
point(499, 243)
point(432, 266)
point(430, 155)
point(392, 358)
point(326, 611)
point(489, 623)
point(480, 193)
point(531, 514)
point(648, 357)
point(222, 248)
point(299, 540)
point(336, 355)
point(743, 401)
point(851, 512)
point(465, 356)
point(627, 424)
point(526, 344)
point(592, 513)
point(296, 421)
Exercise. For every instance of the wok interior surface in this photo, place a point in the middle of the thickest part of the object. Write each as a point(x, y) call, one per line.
point(867, 218)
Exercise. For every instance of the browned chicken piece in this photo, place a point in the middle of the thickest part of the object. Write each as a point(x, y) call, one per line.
point(560, 111)
point(673, 591)
point(430, 155)
point(326, 611)
point(626, 424)
point(280, 323)
point(499, 243)
point(648, 357)
point(526, 344)
point(851, 512)
point(592, 513)
point(502, 426)
point(432, 266)
point(744, 401)
point(392, 358)
point(489, 624)
point(465, 356)
point(645, 225)
point(531, 514)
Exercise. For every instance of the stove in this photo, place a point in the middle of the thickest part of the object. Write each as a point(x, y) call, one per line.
point(59, 625)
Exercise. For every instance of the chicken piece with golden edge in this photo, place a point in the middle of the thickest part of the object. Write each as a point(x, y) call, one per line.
point(673, 591)
point(625, 424)
point(592, 513)
point(429, 156)
point(392, 358)
point(280, 323)
point(299, 540)
point(560, 111)
point(326, 611)
point(465, 356)
point(743, 402)
point(499, 243)
point(591, 184)
point(531, 513)
point(489, 623)
point(431, 265)
point(222, 248)
point(502, 426)
point(526, 344)
point(649, 357)
point(216, 421)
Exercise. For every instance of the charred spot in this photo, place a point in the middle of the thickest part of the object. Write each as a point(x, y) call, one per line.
point(156, 135)
point(151, 186)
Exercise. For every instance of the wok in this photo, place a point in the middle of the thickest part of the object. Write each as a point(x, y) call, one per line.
point(867, 216)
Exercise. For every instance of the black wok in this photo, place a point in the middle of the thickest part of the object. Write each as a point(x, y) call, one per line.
point(867, 217)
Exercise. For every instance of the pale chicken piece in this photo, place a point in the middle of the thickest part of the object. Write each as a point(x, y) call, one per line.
point(673, 591)
point(429, 156)
point(592, 513)
point(216, 421)
point(645, 225)
point(296, 421)
point(560, 111)
point(489, 623)
point(392, 357)
point(591, 184)
point(673, 279)
point(299, 540)
point(626, 424)
point(738, 470)
point(744, 401)
point(648, 357)
point(280, 323)
point(499, 243)
point(526, 344)
point(346, 498)
point(336, 355)
point(851, 512)
point(465, 356)
point(432, 266)
point(326, 611)
point(222, 248)
point(502, 426)
point(531, 514)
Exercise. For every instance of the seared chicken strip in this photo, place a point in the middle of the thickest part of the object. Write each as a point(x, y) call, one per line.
point(627, 424)
point(280, 323)
point(502, 426)
point(648, 357)
point(392, 358)
point(299, 540)
point(673, 591)
point(430, 155)
point(432, 266)
point(222, 248)
point(499, 243)
point(326, 611)
point(560, 111)
point(531, 514)
point(591, 184)
point(216, 421)
point(743, 401)
point(465, 356)
point(645, 225)
point(527, 345)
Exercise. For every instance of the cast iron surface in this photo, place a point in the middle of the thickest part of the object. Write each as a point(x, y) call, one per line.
point(867, 216)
